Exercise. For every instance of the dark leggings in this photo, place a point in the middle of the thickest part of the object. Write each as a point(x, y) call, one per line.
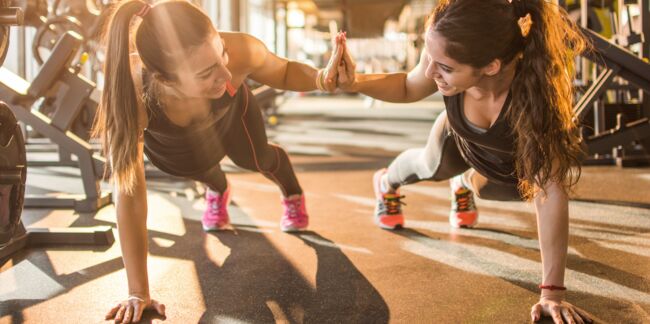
point(440, 160)
point(246, 144)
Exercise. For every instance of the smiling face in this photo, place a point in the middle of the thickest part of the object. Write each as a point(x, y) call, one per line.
point(203, 73)
point(451, 76)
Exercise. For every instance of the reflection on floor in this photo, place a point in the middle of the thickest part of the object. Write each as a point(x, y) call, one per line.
point(345, 269)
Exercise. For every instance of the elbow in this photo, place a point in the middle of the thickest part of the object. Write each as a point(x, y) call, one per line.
point(285, 77)
point(410, 96)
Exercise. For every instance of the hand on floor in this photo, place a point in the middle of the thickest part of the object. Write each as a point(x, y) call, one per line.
point(130, 310)
point(561, 312)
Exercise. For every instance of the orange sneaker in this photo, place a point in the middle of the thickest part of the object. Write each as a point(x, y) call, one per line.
point(388, 210)
point(463, 210)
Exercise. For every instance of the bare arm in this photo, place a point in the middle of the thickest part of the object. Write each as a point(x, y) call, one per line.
point(132, 209)
point(553, 228)
point(392, 87)
point(282, 73)
point(132, 226)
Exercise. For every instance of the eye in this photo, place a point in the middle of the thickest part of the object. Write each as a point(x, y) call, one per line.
point(446, 69)
point(206, 76)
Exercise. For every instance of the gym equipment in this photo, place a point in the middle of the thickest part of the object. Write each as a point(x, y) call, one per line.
point(598, 14)
point(13, 175)
point(73, 93)
point(86, 18)
point(31, 10)
point(615, 106)
point(616, 61)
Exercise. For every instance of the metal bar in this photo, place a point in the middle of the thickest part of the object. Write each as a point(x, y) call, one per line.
point(584, 15)
point(632, 68)
point(98, 235)
point(604, 142)
point(596, 89)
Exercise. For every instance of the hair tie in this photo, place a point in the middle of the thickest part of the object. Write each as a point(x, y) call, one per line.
point(145, 9)
point(519, 7)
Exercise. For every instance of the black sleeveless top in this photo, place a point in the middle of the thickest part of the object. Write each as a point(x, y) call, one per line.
point(491, 153)
point(190, 150)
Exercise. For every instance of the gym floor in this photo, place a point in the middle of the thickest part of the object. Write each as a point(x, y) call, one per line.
point(345, 269)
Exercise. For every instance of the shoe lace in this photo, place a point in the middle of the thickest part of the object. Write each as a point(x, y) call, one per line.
point(393, 204)
point(464, 200)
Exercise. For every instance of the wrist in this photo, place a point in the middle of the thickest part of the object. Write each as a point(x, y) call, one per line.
point(555, 296)
point(319, 80)
point(353, 87)
point(552, 292)
point(139, 295)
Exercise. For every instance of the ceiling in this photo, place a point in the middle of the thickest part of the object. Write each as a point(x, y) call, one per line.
point(360, 18)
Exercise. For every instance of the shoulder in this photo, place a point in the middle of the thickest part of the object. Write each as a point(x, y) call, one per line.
point(245, 51)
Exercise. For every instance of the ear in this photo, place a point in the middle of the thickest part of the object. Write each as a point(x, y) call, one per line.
point(492, 68)
point(164, 81)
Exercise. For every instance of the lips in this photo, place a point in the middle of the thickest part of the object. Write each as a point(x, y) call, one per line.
point(219, 89)
point(442, 85)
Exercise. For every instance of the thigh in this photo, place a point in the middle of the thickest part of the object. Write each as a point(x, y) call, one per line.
point(441, 153)
point(246, 136)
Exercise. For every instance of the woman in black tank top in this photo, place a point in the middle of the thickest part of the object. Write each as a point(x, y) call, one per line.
point(507, 132)
point(174, 90)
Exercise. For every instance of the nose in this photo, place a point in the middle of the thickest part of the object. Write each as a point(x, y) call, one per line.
point(431, 72)
point(224, 74)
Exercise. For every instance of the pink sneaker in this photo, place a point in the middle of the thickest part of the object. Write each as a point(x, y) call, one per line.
point(295, 216)
point(216, 216)
point(463, 210)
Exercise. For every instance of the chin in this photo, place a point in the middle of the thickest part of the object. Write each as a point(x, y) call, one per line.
point(216, 94)
point(451, 91)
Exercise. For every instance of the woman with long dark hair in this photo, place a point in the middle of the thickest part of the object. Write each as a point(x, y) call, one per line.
point(508, 131)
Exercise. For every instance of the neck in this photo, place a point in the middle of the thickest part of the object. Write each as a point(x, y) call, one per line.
point(497, 85)
point(173, 94)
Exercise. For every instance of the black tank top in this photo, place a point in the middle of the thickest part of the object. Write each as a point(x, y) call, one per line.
point(190, 150)
point(490, 153)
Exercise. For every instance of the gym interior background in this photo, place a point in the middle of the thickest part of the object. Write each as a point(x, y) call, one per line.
point(59, 261)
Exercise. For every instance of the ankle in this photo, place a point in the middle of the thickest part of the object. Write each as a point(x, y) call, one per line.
point(385, 187)
point(292, 197)
point(457, 183)
point(213, 192)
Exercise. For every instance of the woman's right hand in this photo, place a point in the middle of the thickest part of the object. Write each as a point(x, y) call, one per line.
point(130, 310)
point(347, 76)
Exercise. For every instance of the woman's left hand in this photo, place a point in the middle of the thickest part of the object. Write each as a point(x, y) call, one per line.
point(330, 72)
point(561, 312)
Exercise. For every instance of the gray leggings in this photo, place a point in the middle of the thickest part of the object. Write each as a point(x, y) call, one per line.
point(440, 160)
